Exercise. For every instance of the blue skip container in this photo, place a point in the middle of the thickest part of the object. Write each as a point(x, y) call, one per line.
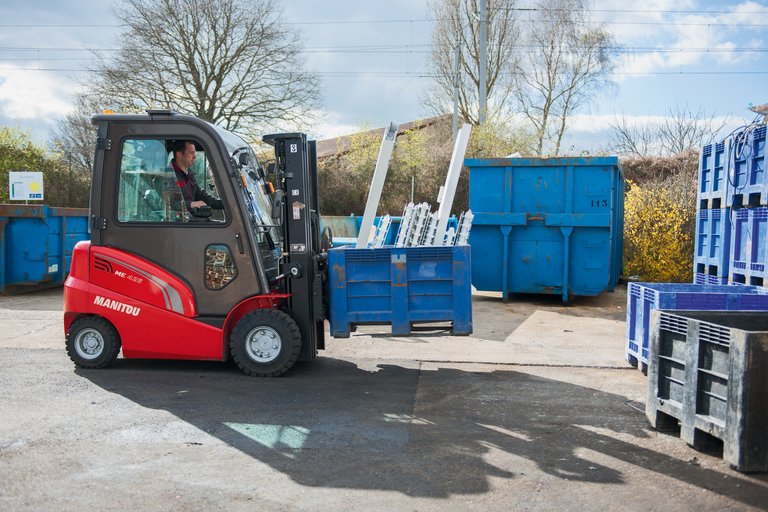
point(400, 286)
point(36, 245)
point(552, 226)
point(642, 298)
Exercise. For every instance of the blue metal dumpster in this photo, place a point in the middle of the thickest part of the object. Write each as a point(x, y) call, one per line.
point(36, 245)
point(550, 226)
point(401, 286)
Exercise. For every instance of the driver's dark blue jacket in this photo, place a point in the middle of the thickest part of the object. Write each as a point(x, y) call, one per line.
point(191, 191)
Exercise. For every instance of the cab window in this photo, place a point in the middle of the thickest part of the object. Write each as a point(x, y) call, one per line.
point(148, 186)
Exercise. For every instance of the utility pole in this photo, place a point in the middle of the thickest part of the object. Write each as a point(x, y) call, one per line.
point(482, 64)
point(456, 92)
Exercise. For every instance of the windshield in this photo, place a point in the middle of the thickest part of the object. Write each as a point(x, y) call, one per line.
point(257, 199)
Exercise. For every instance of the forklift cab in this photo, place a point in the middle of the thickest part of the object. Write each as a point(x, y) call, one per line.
point(207, 284)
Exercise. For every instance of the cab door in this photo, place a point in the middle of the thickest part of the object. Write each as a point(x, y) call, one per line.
point(138, 210)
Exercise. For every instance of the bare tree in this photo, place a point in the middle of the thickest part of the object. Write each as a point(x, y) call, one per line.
point(638, 139)
point(235, 63)
point(456, 23)
point(678, 131)
point(565, 63)
point(682, 129)
point(73, 139)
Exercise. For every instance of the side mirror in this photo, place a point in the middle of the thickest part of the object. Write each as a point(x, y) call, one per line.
point(277, 204)
point(271, 169)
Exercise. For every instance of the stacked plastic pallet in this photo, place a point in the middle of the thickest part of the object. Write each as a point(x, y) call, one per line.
point(704, 346)
point(731, 244)
point(732, 219)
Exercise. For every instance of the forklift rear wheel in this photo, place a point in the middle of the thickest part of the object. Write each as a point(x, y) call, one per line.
point(92, 342)
point(265, 343)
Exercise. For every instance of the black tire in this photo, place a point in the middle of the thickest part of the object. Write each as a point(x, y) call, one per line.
point(265, 343)
point(92, 342)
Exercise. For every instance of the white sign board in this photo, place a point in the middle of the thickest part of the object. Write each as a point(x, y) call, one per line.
point(25, 186)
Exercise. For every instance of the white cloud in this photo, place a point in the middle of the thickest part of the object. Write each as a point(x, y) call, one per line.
point(28, 94)
point(671, 40)
point(330, 127)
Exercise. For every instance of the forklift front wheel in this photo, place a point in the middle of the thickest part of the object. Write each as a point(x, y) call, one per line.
point(265, 343)
point(92, 342)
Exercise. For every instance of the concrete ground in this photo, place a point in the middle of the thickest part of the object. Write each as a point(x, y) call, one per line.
point(538, 410)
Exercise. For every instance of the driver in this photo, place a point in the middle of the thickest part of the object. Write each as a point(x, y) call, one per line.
point(194, 197)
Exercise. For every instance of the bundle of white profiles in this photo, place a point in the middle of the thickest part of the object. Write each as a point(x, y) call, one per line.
point(418, 228)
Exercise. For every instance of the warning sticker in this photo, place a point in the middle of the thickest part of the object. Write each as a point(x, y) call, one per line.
point(296, 213)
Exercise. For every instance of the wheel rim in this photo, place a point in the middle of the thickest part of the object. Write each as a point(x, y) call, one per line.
point(263, 344)
point(89, 343)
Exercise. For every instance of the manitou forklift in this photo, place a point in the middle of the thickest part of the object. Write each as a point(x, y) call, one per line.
point(162, 280)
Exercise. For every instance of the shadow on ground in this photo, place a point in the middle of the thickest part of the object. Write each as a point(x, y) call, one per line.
point(423, 433)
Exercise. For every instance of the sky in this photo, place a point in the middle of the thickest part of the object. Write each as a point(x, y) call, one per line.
point(371, 58)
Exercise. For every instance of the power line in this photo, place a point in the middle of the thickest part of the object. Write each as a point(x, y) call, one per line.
point(629, 51)
point(676, 12)
point(429, 20)
point(401, 90)
point(333, 22)
point(630, 11)
point(404, 74)
point(46, 25)
point(694, 73)
point(407, 48)
point(42, 49)
point(353, 22)
point(669, 23)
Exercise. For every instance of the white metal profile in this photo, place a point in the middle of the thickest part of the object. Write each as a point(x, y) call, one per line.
point(448, 191)
point(377, 184)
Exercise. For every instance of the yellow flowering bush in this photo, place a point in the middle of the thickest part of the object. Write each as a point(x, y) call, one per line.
point(660, 227)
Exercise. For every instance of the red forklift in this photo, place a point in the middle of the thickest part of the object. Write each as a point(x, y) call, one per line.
point(159, 279)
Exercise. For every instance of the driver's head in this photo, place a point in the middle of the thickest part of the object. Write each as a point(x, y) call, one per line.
point(183, 153)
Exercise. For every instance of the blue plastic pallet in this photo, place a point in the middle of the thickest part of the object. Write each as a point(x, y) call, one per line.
point(401, 287)
point(747, 180)
point(642, 298)
point(750, 245)
point(713, 169)
point(708, 279)
point(713, 243)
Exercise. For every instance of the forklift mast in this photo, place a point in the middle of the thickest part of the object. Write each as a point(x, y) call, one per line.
point(296, 176)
